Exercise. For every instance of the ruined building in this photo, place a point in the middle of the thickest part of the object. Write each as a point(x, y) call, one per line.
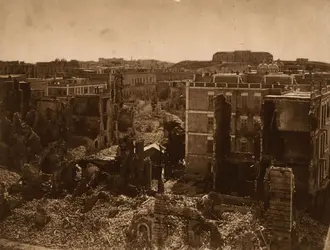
point(101, 116)
point(93, 115)
point(15, 94)
point(295, 135)
point(244, 93)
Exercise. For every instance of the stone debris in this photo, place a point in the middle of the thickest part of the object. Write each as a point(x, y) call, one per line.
point(66, 223)
point(8, 177)
point(311, 234)
point(94, 217)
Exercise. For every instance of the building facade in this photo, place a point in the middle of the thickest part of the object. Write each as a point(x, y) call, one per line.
point(136, 78)
point(74, 86)
point(173, 76)
point(139, 85)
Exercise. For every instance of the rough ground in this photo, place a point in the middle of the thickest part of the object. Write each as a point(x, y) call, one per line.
point(105, 226)
point(102, 228)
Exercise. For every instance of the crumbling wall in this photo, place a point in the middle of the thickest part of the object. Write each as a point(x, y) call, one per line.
point(269, 126)
point(15, 95)
point(280, 185)
point(50, 119)
point(296, 146)
point(160, 228)
point(92, 117)
point(195, 223)
point(125, 119)
point(222, 141)
point(86, 105)
point(293, 115)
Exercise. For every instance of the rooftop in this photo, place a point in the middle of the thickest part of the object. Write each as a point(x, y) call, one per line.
point(293, 95)
point(11, 75)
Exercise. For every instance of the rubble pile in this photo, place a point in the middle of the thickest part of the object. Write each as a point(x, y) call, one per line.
point(148, 128)
point(69, 226)
point(78, 152)
point(8, 177)
point(237, 227)
point(236, 230)
point(310, 232)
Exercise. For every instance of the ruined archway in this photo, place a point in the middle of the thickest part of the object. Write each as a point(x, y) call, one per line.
point(142, 228)
point(143, 233)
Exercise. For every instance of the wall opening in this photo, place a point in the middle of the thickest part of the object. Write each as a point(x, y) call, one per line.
point(105, 122)
point(96, 144)
point(104, 105)
point(143, 232)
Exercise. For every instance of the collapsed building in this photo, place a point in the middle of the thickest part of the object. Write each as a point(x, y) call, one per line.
point(244, 93)
point(237, 125)
point(96, 121)
point(94, 117)
point(295, 135)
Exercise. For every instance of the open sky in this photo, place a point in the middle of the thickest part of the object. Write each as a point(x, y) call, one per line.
point(172, 30)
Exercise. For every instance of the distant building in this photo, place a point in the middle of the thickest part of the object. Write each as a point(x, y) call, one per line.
point(227, 67)
point(139, 85)
point(245, 56)
point(38, 87)
point(173, 76)
point(305, 65)
point(57, 67)
point(17, 67)
point(110, 61)
point(74, 87)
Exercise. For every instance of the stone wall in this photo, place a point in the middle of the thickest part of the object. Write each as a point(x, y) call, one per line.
point(160, 228)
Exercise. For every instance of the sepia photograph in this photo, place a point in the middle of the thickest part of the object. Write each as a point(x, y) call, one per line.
point(164, 124)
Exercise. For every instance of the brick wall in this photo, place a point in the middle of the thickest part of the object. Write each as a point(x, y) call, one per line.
point(281, 184)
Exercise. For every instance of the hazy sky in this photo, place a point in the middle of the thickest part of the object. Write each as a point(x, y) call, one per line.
point(173, 30)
